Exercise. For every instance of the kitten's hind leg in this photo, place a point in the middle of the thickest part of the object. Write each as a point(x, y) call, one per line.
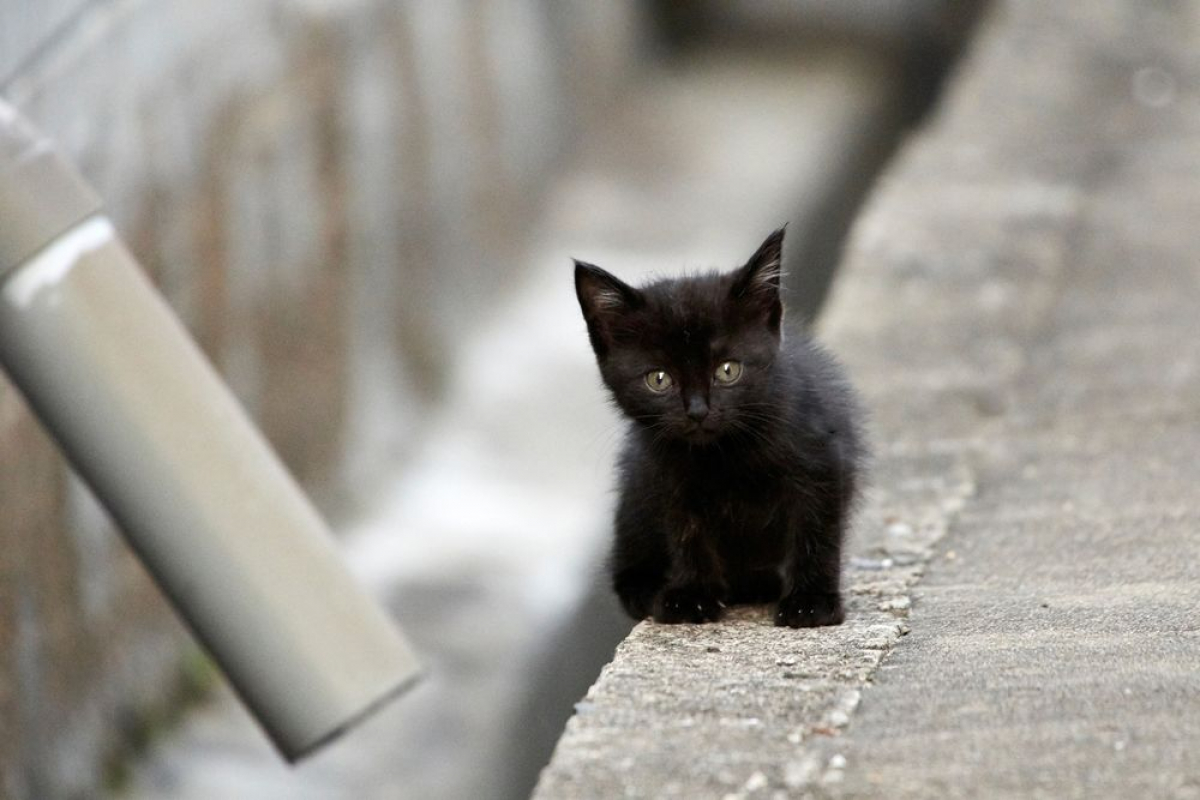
point(636, 589)
point(639, 560)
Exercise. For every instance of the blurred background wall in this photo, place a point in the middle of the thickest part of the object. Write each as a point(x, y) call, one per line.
point(328, 192)
point(332, 194)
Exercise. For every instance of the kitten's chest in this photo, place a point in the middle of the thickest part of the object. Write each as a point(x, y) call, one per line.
point(738, 508)
point(745, 526)
point(731, 503)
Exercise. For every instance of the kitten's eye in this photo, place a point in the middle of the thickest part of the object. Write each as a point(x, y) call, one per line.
point(728, 372)
point(658, 381)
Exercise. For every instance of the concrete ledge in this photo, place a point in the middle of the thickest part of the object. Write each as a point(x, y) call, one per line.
point(1018, 305)
point(699, 711)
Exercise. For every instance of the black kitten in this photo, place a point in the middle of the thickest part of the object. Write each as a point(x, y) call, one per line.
point(739, 468)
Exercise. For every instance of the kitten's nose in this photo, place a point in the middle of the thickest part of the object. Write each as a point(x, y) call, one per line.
point(697, 409)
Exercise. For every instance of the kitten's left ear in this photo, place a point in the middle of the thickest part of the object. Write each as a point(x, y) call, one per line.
point(756, 285)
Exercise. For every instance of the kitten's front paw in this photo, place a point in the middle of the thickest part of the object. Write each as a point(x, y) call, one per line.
point(800, 610)
point(688, 604)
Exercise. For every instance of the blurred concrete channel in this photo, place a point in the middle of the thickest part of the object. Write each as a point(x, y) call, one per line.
point(481, 517)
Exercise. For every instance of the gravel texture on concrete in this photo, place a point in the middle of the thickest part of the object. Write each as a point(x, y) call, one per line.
point(1019, 305)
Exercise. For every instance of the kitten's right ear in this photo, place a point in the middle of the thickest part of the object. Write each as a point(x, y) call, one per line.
point(604, 299)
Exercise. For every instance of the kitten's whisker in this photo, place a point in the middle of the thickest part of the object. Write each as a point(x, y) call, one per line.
point(752, 432)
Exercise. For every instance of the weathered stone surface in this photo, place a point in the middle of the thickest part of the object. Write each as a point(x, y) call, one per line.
point(1018, 305)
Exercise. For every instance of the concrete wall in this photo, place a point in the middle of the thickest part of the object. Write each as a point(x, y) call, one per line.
point(328, 192)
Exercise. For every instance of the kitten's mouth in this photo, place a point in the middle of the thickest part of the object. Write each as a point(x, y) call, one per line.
point(700, 434)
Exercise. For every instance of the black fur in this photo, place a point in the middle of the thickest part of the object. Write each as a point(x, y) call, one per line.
point(734, 493)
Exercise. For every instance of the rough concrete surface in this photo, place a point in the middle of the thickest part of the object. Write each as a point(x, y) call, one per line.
point(1019, 305)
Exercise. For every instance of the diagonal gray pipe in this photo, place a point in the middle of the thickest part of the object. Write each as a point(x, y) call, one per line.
point(147, 422)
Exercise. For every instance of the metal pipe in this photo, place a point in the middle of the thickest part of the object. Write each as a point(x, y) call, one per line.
point(199, 494)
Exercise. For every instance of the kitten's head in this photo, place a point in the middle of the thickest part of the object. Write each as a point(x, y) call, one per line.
point(689, 358)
